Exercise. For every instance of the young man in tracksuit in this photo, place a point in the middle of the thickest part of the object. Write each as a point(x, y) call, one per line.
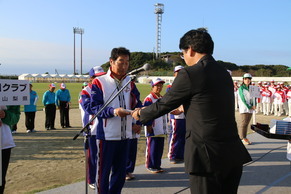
point(155, 131)
point(85, 100)
point(114, 127)
point(178, 131)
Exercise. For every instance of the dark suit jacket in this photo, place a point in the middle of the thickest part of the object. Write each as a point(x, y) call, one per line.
point(212, 141)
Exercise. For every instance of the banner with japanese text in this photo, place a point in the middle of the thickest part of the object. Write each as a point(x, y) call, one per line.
point(14, 92)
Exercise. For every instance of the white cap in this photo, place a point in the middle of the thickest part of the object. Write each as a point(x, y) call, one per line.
point(63, 86)
point(156, 81)
point(247, 75)
point(178, 68)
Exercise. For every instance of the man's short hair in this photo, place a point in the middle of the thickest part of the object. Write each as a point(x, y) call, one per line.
point(199, 40)
point(116, 52)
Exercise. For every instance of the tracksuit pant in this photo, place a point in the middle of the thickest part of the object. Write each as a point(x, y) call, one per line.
point(91, 149)
point(29, 120)
point(50, 115)
point(154, 152)
point(177, 139)
point(64, 114)
point(132, 150)
point(111, 158)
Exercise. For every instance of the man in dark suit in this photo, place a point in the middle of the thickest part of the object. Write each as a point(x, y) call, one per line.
point(214, 154)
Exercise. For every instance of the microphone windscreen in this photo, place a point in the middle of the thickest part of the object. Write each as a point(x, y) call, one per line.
point(146, 66)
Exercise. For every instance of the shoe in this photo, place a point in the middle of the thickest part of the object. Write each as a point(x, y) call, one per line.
point(153, 170)
point(28, 131)
point(53, 128)
point(245, 141)
point(69, 126)
point(160, 170)
point(92, 186)
point(173, 161)
point(47, 128)
point(129, 176)
point(63, 126)
point(13, 131)
point(33, 130)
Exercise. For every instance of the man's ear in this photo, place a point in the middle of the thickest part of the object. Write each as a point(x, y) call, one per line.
point(111, 62)
point(192, 52)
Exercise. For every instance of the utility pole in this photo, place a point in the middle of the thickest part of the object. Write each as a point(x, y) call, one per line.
point(80, 31)
point(159, 10)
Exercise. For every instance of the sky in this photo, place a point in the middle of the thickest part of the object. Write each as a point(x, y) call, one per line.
point(36, 36)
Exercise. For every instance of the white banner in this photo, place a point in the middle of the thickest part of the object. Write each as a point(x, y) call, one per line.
point(14, 92)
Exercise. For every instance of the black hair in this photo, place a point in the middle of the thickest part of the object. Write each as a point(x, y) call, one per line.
point(199, 40)
point(116, 52)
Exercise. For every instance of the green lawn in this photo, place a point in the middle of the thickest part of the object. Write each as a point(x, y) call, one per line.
point(75, 89)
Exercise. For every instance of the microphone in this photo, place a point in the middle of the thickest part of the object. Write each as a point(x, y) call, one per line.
point(145, 67)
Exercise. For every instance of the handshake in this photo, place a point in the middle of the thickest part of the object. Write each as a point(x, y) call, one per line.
point(121, 112)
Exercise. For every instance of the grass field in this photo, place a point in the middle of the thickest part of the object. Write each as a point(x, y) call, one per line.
point(75, 89)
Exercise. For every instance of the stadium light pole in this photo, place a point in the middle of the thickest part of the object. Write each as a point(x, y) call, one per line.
point(80, 31)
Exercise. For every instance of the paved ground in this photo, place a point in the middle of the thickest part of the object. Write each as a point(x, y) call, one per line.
point(270, 172)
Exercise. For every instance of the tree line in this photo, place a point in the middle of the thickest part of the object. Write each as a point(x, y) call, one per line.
point(164, 66)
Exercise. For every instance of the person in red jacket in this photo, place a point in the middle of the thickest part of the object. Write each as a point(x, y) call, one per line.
point(289, 100)
point(279, 99)
point(266, 99)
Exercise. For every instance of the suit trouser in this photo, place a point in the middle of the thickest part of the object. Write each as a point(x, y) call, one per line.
point(50, 115)
point(132, 150)
point(111, 157)
point(177, 139)
point(154, 152)
point(29, 120)
point(5, 162)
point(64, 114)
point(289, 107)
point(243, 128)
point(221, 182)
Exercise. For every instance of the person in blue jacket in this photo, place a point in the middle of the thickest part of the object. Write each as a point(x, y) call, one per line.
point(48, 101)
point(63, 100)
point(30, 111)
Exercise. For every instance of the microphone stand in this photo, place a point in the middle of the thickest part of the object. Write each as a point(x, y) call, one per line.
point(86, 127)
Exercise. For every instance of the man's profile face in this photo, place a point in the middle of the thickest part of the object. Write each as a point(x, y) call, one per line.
point(52, 89)
point(186, 56)
point(120, 65)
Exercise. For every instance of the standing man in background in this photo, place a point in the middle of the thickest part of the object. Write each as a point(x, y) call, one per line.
point(214, 153)
point(178, 130)
point(85, 100)
point(48, 101)
point(30, 110)
point(63, 100)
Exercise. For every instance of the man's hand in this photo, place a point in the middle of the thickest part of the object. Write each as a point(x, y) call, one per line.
point(150, 129)
point(136, 128)
point(121, 112)
point(136, 113)
point(2, 114)
point(178, 110)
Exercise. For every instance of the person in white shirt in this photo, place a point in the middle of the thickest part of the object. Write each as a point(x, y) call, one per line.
point(246, 107)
